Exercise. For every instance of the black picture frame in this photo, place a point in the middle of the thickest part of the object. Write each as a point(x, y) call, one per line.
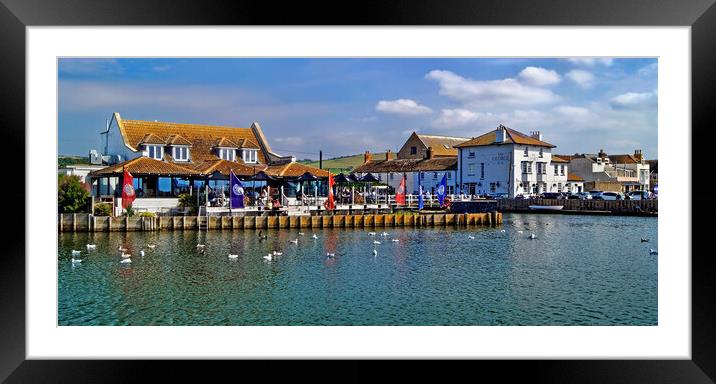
point(16, 15)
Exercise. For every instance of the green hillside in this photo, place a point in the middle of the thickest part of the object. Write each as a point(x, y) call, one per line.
point(65, 160)
point(343, 163)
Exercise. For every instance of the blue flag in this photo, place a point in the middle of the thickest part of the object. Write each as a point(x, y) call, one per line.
point(237, 192)
point(420, 197)
point(442, 189)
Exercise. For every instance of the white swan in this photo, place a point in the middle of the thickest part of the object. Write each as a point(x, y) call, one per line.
point(200, 245)
point(141, 252)
point(125, 261)
point(126, 255)
point(503, 231)
point(471, 237)
point(233, 256)
point(75, 253)
point(91, 246)
point(329, 254)
point(301, 233)
point(653, 251)
point(152, 246)
point(277, 253)
point(268, 257)
point(294, 241)
point(314, 236)
point(384, 234)
point(371, 233)
point(395, 240)
point(520, 232)
point(376, 242)
point(533, 236)
point(76, 261)
point(375, 252)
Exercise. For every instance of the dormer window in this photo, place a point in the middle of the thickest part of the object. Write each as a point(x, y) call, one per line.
point(249, 155)
point(227, 154)
point(180, 153)
point(155, 151)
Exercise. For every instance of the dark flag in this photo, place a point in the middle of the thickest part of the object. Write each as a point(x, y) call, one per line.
point(237, 192)
point(442, 190)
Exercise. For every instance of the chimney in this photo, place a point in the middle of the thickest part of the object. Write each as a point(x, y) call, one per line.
point(601, 154)
point(367, 157)
point(500, 134)
point(536, 135)
point(430, 153)
point(638, 156)
point(388, 155)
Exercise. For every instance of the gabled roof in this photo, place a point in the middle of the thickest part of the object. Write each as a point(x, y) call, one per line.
point(408, 165)
point(442, 145)
point(512, 137)
point(145, 166)
point(294, 170)
point(203, 138)
point(225, 167)
point(559, 159)
point(573, 177)
point(177, 140)
point(225, 143)
point(623, 159)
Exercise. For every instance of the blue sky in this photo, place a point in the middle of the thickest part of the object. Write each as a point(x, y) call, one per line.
point(347, 106)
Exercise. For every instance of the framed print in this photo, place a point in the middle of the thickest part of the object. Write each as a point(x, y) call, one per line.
point(414, 181)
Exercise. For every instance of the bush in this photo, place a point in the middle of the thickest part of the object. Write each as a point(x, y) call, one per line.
point(103, 209)
point(129, 212)
point(72, 195)
point(147, 214)
point(187, 201)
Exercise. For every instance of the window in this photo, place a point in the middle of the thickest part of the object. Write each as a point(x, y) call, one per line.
point(471, 154)
point(556, 170)
point(493, 188)
point(482, 170)
point(391, 176)
point(526, 167)
point(155, 151)
point(435, 175)
point(249, 155)
point(180, 153)
point(227, 154)
point(559, 187)
point(541, 168)
point(541, 153)
point(471, 169)
point(422, 175)
point(413, 150)
point(526, 151)
point(561, 170)
point(449, 175)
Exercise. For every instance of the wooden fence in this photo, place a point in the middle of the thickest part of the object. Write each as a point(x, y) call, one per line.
point(614, 206)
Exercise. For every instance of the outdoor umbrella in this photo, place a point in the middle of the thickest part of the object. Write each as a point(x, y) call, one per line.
point(262, 176)
point(341, 178)
point(306, 177)
point(368, 178)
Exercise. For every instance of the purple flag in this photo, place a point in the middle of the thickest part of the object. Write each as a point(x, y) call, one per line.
point(237, 192)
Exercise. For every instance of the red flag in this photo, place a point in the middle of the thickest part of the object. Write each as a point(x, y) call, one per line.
point(128, 194)
point(331, 202)
point(400, 194)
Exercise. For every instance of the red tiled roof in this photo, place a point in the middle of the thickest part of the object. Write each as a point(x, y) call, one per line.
point(573, 177)
point(558, 159)
point(408, 165)
point(512, 137)
point(294, 170)
point(145, 166)
point(177, 140)
point(442, 145)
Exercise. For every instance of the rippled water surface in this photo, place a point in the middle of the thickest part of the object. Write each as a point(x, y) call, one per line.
point(580, 270)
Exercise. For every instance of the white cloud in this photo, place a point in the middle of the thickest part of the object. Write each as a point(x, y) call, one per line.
point(634, 100)
point(572, 112)
point(591, 61)
point(290, 140)
point(539, 76)
point(582, 78)
point(450, 118)
point(648, 70)
point(402, 107)
point(489, 92)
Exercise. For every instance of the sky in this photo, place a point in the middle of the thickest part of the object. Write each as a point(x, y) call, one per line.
point(346, 106)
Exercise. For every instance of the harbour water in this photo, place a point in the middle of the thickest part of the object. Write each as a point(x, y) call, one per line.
point(579, 270)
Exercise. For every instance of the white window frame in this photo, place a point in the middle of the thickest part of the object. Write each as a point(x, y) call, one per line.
point(155, 147)
point(541, 152)
point(527, 152)
point(249, 156)
point(228, 154)
point(177, 150)
point(471, 169)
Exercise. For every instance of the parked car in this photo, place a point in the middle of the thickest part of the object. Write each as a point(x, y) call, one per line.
point(640, 195)
point(497, 196)
point(581, 196)
point(609, 195)
point(552, 195)
point(596, 195)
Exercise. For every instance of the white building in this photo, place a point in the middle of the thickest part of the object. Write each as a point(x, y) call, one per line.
point(631, 171)
point(81, 170)
point(505, 161)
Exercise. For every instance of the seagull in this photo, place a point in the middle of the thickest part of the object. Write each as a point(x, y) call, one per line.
point(503, 231)
point(200, 245)
point(277, 253)
point(328, 254)
point(375, 252)
point(151, 246)
point(376, 242)
point(520, 232)
point(371, 233)
point(121, 249)
point(314, 236)
point(532, 236)
point(395, 240)
point(91, 246)
point(301, 233)
point(268, 257)
point(471, 237)
point(76, 261)
point(141, 252)
point(653, 252)
point(126, 255)
point(384, 234)
point(294, 241)
point(75, 253)
point(125, 261)
point(233, 256)
point(202, 251)
point(643, 240)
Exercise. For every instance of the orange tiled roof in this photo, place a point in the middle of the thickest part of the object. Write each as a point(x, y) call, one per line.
point(408, 165)
point(623, 159)
point(146, 166)
point(202, 137)
point(513, 137)
point(294, 170)
point(225, 167)
point(150, 138)
point(557, 159)
point(177, 140)
point(442, 145)
point(573, 177)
